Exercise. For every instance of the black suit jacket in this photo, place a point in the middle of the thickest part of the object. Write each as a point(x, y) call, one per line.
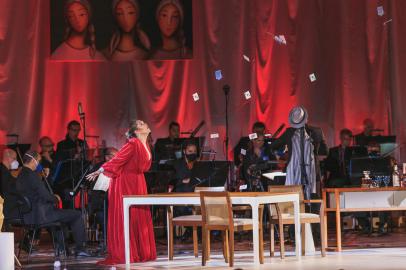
point(317, 136)
point(30, 184)
point(8, 188)
point(334, 166)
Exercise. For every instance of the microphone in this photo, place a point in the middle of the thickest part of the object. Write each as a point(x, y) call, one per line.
point(80, 110)
point(226, 89)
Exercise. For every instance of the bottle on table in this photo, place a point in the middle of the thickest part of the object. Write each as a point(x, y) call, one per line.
point(396, 176)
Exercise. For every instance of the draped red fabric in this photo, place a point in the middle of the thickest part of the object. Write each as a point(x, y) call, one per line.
point(359, 63)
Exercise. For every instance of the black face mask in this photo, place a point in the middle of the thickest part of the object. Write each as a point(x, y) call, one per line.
point(191, 157)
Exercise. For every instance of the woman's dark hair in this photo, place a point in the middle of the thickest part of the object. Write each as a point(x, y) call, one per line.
point(133, 126)
point(30, 155)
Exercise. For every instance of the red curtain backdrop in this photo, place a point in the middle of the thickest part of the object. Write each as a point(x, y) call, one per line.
point(359, 63)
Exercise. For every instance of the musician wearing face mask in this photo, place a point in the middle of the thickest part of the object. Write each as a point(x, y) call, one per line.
point(43, 201)
point(184, 167)
point(8, 182)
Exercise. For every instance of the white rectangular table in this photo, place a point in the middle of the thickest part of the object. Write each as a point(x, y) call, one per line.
point(254, 199)
point(361, 200)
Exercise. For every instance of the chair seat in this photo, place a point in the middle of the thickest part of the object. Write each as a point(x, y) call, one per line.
point(302, 216)
point(188, 218)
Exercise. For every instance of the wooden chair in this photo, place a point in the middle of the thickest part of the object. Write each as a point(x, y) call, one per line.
point(282, 214)
point(194, 221)
point(217, 214)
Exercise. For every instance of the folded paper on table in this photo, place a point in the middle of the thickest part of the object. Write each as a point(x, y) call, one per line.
point(102, 183)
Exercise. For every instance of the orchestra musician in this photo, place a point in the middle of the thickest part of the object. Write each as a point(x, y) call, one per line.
point(257, 155)
point(184, 167)
point(338, 161)
point(183, 181)
point(8, 182)
point(368, 131)
point(47, 152)
point(68, 158)
point(166, 148)
point(71, 146)
point(244, 142)
point(43, 209)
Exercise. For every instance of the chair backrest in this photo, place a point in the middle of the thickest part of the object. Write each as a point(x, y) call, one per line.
point(212, 189)
point(216, 209)
point(23, 203)
point(288, 207)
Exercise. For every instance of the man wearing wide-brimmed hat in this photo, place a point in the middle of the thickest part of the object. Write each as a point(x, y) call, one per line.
point(304, 144)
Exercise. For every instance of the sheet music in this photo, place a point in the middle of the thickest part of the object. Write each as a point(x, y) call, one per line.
point(272, 175)
point(102, 183)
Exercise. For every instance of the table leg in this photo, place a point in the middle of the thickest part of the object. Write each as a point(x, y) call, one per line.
point(126, 209)
point(255, 232)
point(168, 232)
point(298, 240)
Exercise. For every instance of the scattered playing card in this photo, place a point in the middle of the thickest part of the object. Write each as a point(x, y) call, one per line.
point(246, 58)
point(247, 95)
point(312, 77)
point(218, 75)
point(268, 135)
point(253, 136)
point(243, 187)
point(243, 152)
point(214, 136)
point(280, 39)
point(196, 97)
point(380, 11)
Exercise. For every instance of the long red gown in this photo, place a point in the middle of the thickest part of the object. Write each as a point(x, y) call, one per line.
point(126, 170)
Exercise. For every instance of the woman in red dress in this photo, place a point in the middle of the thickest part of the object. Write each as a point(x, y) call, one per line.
point(126, 171)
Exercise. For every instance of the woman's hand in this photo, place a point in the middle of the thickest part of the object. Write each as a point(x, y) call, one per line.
point(93, 176)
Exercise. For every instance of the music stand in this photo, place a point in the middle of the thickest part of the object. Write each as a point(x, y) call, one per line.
point(210, 173)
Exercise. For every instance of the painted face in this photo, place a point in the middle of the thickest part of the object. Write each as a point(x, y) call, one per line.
point(169, 20)
point(78, 17)
point(126, 16)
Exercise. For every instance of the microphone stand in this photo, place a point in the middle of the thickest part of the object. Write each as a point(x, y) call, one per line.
point(226, 90)
point(82, 116)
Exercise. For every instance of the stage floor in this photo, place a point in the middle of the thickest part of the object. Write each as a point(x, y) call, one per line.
point(361, 252)
point(369, 259)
